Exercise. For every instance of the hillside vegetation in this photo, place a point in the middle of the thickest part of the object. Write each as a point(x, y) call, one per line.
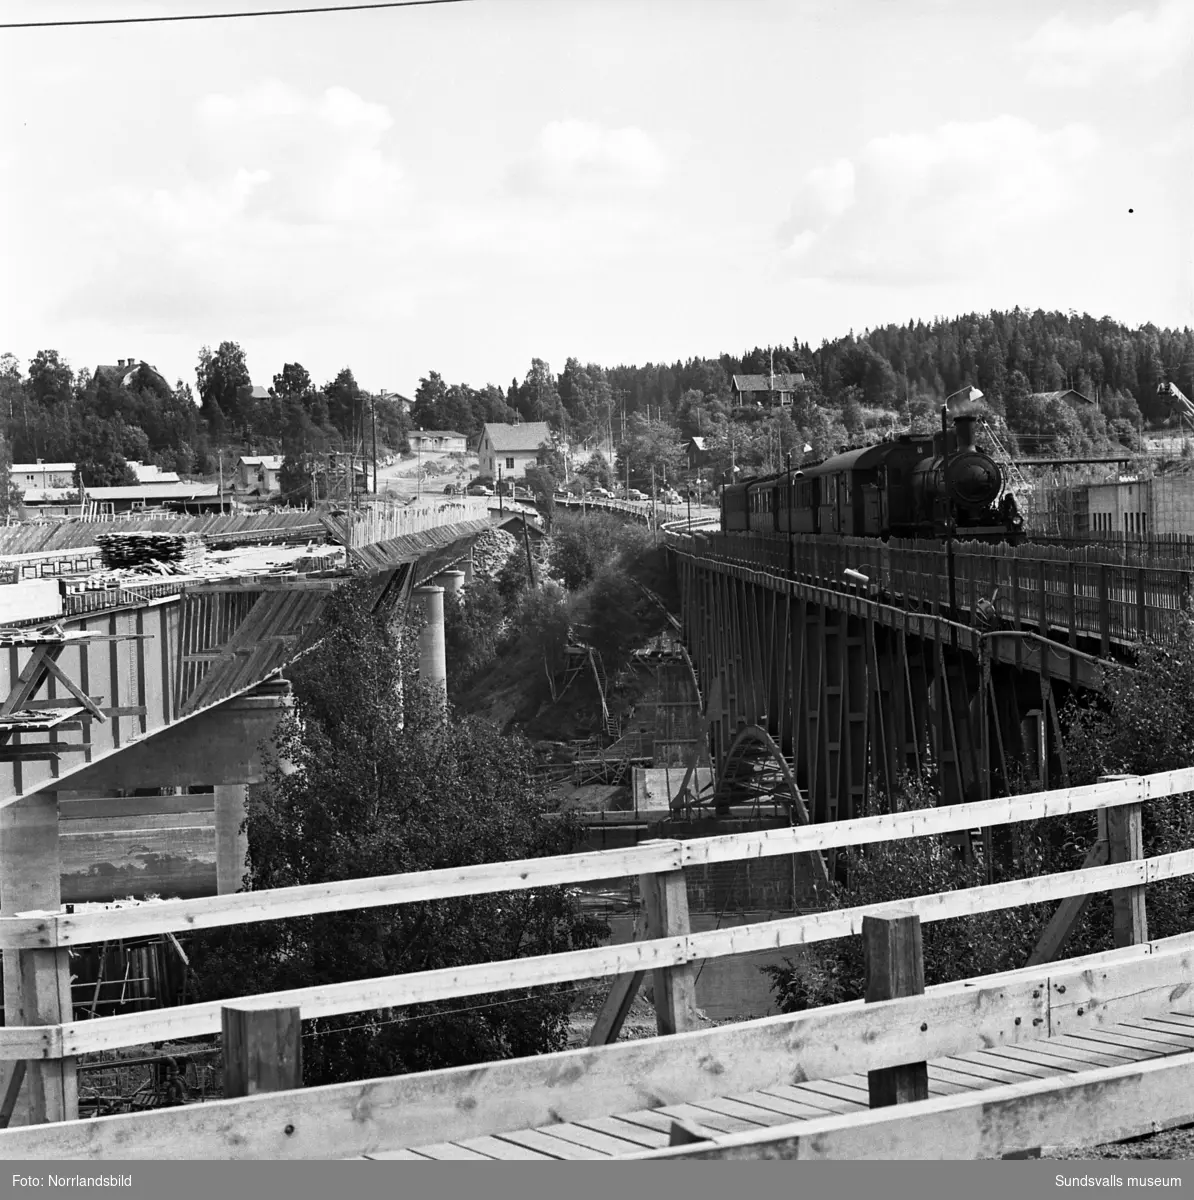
point(855, 386)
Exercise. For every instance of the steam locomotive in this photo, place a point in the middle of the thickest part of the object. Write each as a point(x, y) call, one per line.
point(908, 487)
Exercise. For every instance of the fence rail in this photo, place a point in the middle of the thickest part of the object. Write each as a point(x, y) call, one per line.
point(43, 941)
point(1059, 592)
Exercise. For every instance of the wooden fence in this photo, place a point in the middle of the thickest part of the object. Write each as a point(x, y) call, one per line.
point(1059, 592)
point(477, 1100)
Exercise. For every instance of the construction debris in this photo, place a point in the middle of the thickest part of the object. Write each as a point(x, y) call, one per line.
point(163, 553)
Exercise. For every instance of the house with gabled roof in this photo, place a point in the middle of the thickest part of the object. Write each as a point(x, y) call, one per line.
point(769, 391)
point(122, 374)
point(1069, 395)
point(437, 441)
point(512, 448)
point(259, 473)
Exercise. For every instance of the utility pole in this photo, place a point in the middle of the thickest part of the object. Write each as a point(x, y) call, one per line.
point(373, 416)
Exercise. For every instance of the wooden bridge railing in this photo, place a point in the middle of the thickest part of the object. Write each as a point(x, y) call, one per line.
point(1057, 591)
point(43, 941)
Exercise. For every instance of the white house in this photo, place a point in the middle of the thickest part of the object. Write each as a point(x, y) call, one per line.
point(259, 472)
point(149, 473)
point(40, 475)
point(512, 448)
point(439, 441)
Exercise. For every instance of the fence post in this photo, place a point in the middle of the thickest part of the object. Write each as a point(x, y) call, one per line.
point(263, 1049)
point(665, 898)
point(893, 956)
point(1125, 843)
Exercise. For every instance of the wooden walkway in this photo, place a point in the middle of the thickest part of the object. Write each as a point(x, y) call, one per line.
point(630, 1133)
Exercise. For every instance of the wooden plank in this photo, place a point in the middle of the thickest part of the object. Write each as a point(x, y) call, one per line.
point(665, 896)
point(649, 1119)
point(387, 1155)
point(1107, 1105)
point(725, 1106)
point(985, 1072)
point(1032, 1070)
point(1069, 912)
point(1113, 1046)
point(1090, 984)
point(1152, 1043)
point(855, 1092)
point(549, 1147)
point(578, 1084)
point(626, 1130)
point(173, 916)
point(449, 1152)
point(940, 906)
point(1144, 1027)
point(1125, 837)
point(963, 1083)
point(8, 1102)
point(262, 1049)
point(709, 1118)
point(1056, 1063)
point(615, 1008)
point(593, 1139)
point(893, 955)
point(1082, 1059)
point(495, 1148)
point(378, 891)
point(805, 1094)
point(778, 1104)
point(1170, 1023)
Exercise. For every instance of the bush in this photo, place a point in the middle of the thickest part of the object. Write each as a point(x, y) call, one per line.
point(372, 795)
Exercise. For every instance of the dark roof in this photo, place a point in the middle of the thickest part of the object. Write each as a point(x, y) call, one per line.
point(528, 436)
point(851, 460)
point(122, 375)
point(1065, 394)
point(784, 382)
point(435, 433)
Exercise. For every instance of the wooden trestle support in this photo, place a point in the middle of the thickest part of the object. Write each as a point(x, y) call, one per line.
point(857, 699)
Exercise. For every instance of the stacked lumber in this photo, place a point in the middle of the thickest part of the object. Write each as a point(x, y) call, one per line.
point(165, 553)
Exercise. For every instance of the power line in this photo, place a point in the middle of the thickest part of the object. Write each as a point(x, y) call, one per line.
point(224, 16)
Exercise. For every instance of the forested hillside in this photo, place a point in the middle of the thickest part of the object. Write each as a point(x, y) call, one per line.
point(854, 387)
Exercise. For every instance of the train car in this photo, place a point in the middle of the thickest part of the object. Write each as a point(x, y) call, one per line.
point(764, 499)
point(734, 513)
point(911, 487)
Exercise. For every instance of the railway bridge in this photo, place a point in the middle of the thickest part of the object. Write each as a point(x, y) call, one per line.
point(865, 661)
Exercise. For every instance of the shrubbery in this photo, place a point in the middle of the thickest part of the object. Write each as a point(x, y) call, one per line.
point(375, 795)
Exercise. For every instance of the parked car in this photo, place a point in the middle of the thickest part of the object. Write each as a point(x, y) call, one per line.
point(635, 494)
point(600, 493)
point(479, 489)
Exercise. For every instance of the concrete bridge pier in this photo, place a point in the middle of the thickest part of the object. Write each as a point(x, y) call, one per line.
point(232, 838)
point(452, 582)
point(433, 655)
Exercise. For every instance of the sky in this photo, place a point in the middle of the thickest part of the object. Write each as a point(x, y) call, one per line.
point(463, 187)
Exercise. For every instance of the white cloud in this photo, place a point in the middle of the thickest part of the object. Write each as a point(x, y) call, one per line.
point(325, 157)
point(285, 201)
point(933, 205)
point(1135, 45)
point(581, 156)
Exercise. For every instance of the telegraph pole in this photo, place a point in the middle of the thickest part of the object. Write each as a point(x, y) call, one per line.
point(373, 416)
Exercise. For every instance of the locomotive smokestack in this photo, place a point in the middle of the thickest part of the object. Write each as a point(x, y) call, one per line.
point(964, 431)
